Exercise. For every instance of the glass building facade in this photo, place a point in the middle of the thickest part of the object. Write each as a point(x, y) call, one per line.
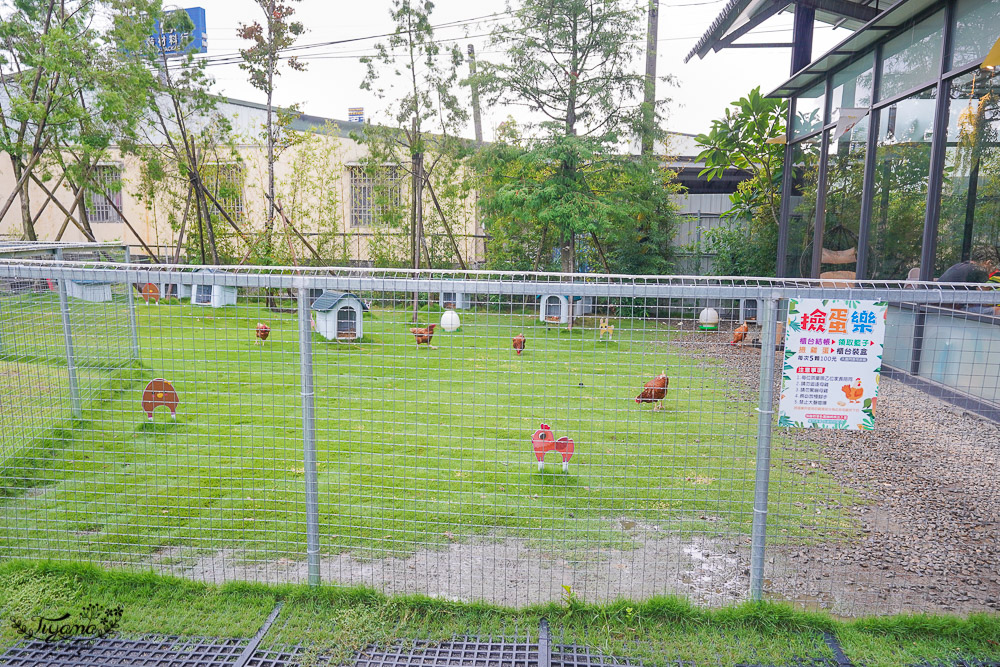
point(895, 153)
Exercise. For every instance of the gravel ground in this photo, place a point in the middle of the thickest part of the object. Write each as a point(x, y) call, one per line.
point(924, 488)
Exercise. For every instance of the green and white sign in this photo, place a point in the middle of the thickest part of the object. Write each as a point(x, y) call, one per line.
point(833, 360)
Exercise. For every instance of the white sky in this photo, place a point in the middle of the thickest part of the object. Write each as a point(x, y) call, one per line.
point(331, 83)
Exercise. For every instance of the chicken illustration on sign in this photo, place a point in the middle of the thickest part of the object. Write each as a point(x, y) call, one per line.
point(159, 392)
point(832, 363)
point(854, 393)
point(544, 441)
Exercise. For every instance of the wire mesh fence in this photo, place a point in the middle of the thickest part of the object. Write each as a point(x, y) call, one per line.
point(404, 430)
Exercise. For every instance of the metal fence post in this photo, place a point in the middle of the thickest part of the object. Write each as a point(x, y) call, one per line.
point(765, 407)
point(133, 329)
point(74, 387)
point(309, 437)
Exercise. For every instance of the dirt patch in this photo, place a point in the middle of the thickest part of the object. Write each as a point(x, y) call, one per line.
point(511, 572)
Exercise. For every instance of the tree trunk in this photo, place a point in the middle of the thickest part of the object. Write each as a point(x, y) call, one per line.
point(271, 64)
point(418, 219)
point(567, 253)
point(27, 226)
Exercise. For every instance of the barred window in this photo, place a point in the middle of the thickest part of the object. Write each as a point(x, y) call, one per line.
point(105, 178)
point(372, 195)
point(225, 182)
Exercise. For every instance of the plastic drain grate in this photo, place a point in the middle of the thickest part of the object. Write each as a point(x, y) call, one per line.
point(152, 652)
point(464, 652)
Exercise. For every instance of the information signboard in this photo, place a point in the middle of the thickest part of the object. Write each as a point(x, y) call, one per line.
point(833, 359)
point(182, 31)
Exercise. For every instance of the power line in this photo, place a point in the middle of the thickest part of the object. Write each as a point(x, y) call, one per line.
point(301, 47)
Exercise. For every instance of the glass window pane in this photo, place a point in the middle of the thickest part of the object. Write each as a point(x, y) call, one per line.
point(912, 58)
point(809, 111)
point(844, 179)
point(969, 227)
point(852, 86)
point(976, 32)
point(902, 165)
point(802, 220)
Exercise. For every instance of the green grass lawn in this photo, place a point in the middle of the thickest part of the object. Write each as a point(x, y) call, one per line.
point(416, 447)
point(337, 622)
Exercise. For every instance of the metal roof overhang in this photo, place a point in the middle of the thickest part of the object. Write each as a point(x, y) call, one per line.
point(864, 39)
point(739, 17)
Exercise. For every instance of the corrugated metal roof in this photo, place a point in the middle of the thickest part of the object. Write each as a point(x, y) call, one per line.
point(864, 39)
point(737, 13)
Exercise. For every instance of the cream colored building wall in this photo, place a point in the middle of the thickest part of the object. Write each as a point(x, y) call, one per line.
point(152, 223)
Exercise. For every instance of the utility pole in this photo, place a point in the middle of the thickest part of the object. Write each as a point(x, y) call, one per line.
point(649, 100)
point(476, 119)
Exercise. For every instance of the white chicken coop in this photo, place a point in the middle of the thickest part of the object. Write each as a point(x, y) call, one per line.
point(339, 315)
point(175, 291)
point(554, 308)
point(89, 290)
point(453, 300)
point(215, 296)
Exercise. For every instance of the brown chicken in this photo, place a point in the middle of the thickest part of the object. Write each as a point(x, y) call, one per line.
point(654, 391)
point(519, 343)
point(739, 334)
point(424, 335)
point(263, 331)
point(854, 393)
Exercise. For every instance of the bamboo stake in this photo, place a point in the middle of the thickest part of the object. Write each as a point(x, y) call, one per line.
point(128, 224)
point(447, 227)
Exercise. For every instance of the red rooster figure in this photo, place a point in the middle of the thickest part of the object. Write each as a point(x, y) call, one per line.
point(423, 335)
point(519, 343)
point(654, 391)
point(263, 331)
point(543, 441)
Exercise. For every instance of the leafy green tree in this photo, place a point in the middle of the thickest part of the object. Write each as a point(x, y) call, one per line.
point(570, 62)
point(630, 196)
point(748, 244)
point(183, 145)
point(73, 84)
point(420, 77)
point(261, 60)
point(739, 140)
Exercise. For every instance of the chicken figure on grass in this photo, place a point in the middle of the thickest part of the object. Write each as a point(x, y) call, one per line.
point(263, 331)
point(424, 335)
point(654, 391)
point(740, 334)
point(544, 441)
point(519, 344)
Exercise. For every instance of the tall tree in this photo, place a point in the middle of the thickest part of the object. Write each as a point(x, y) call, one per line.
point(187, 133)
point(71, 81)
point(571, 62)
point(745, 139)
point(421, 77)
point(261, 60)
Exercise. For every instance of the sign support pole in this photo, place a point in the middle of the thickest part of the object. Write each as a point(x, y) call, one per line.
point(309, 437)
point(765, 408)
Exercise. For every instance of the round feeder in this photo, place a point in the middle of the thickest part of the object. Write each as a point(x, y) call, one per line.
point(708, 320)
point(450, 320)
